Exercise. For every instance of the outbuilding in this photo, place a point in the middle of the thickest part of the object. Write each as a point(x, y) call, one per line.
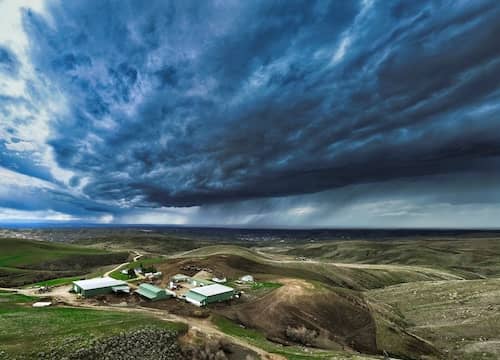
point(246, 279)
point(152, 292)
point(208, 294)
point(98, 286)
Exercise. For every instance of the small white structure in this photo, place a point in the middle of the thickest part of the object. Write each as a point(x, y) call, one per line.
point(247, 279)
point(124, 272)
point(219, 280)
point(40, 304)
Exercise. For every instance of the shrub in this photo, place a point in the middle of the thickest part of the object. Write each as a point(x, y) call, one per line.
point(301, 335)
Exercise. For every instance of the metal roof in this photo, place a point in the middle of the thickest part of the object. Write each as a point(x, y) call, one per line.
point(121, 288)
point(195, 298)
point(146, 293)
point(152, 288)
point(98, 283)
point(211, 290)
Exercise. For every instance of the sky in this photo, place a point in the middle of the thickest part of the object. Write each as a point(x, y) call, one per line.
point(367, 113)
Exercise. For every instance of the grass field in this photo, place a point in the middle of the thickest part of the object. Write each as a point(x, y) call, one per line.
point(265, 285)
point(26, 330)
point(57, 282)
point(20, 253)
point(26, 261)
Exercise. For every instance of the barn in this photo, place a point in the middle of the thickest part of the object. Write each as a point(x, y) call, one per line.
point(152, 292)
point(208, 294)
point(99, 286)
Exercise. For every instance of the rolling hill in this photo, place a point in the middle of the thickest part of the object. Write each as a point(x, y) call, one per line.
point(28, 261)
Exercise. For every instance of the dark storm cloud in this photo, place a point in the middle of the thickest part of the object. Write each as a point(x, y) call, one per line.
point(9, 63)
point(189, 103)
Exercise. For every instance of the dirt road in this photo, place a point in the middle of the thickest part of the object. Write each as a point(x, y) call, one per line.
point(137, 257)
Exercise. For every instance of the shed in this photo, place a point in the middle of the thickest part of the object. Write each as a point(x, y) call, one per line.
point(199, 282)
point(97, 286)
point(180, 278)
point(121, 289)
point(205, 295)
point(246, 278)
point(152, 292)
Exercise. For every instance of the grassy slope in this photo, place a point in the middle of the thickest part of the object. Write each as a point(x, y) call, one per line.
point(25, 261)
point(21, 253)
point(460, 317)
point(26, 329)
point(472, 258)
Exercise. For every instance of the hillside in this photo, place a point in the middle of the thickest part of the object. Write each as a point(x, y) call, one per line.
point(471, 258)
point(238, 261)
point(460, 317)
point(28, 261)
point(320, 305)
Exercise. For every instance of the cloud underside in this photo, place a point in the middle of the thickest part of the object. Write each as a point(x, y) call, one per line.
point(232, 108)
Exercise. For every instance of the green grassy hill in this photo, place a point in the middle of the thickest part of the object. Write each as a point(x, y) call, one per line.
point(26, 261)
point(472, 258)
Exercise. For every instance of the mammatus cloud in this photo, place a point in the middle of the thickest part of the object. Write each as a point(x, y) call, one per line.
point(261, 113)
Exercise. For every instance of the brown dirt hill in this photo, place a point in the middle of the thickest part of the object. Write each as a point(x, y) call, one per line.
point(299, 312)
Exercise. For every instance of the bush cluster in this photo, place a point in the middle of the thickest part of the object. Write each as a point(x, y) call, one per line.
point(301, 335)
point(145, 344)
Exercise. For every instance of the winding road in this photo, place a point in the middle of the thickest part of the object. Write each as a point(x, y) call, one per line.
point(137, 257)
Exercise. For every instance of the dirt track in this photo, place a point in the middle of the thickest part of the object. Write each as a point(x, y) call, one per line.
point(137, 257)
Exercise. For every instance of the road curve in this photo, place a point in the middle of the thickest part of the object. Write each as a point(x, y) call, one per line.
point(137, 257)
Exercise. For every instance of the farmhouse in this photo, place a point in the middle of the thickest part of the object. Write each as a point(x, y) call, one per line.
point(208, 294)
point(152, 292)
point(99, 286)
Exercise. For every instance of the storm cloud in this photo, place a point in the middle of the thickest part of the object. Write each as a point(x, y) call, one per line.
point(227, 106)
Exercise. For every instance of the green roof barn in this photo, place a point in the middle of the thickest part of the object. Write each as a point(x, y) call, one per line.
point(99, 286)
point(205, 295)
point(152, 292)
